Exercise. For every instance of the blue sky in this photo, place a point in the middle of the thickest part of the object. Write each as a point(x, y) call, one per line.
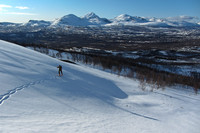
point(24, 10)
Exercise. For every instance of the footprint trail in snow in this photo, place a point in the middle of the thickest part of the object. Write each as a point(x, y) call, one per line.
point(15, 90)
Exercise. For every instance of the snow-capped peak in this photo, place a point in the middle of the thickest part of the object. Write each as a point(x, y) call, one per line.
point(95, 19)
point(69, 16)
point(123, 17)
point(128, 18)
point(87, 20)
point(69, 19)
point(91, 15)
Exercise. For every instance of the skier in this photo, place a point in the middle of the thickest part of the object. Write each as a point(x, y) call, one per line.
point(60, 70)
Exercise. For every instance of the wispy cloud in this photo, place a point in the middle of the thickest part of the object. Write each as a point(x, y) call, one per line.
point(20, 13)
point(184, 18)
point(22, 7)
point(4, 11)
point(4, 6)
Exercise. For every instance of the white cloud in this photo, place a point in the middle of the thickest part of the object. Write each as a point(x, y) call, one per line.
point(20, 13)
point(4, 6)
point(4, 11)
point(22, 7)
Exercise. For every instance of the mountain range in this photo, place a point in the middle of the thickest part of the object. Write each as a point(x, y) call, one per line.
point(91, 19)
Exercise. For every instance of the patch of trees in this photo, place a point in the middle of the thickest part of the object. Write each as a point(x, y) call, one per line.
point(148, 75)
point(133, 69)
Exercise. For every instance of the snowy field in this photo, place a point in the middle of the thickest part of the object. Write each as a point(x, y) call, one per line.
point(33, 99)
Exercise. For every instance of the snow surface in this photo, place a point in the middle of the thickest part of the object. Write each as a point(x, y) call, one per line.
point(34, 99)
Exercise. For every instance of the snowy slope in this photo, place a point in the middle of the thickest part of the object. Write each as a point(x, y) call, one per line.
point(40, 23)
point(127, 19)
point(85, 100)
point(70, 19)
point(95, 20)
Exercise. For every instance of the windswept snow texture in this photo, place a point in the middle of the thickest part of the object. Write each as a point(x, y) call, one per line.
point(34, 99)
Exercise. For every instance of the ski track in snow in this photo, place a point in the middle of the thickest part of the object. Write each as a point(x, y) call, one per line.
point(177, 96)
point(11, 92)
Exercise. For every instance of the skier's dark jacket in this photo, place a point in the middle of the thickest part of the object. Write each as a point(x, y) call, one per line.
point(60, 67)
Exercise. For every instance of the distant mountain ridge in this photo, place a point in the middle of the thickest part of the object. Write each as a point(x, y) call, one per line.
point(91, 19)
point(94, 19)
point(37, 23)
point(73, 20)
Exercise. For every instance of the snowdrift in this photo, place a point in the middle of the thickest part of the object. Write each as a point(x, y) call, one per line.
point(34, 99)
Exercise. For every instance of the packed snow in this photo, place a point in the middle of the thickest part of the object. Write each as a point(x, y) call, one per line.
point(33, 98)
